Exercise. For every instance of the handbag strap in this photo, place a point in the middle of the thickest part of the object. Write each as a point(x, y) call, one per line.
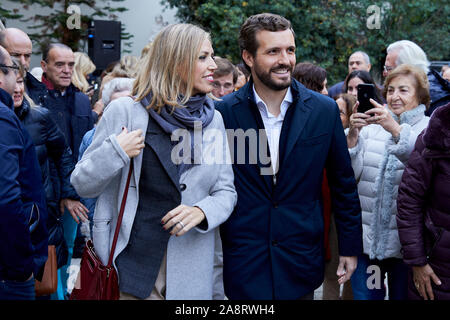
point(119, 219)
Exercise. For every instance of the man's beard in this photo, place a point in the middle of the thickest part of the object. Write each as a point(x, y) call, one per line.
point(266, 79)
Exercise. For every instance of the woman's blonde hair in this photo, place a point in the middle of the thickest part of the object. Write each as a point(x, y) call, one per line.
point(23, 74)
point(83, 66)
point(126, 68)
point(168, 68)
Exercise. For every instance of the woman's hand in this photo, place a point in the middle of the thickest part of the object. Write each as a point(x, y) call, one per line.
point(380, 115)
point(182, 219)
point(131, 142)
point(421, 277)
point(75, 208)
point(356, 123)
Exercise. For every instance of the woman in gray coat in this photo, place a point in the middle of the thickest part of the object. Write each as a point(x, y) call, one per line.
point(182, 183)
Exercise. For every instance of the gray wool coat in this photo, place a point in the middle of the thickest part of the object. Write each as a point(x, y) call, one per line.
point(102, 173)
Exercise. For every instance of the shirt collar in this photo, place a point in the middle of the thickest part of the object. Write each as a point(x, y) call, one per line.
point(287, 100)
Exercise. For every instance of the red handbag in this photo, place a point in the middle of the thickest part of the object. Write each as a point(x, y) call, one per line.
point(97, 281)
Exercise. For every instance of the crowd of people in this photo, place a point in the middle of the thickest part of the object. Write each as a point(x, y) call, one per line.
point(315, 191)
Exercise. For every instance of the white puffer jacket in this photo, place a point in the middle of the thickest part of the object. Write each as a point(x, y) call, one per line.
point(378, 162)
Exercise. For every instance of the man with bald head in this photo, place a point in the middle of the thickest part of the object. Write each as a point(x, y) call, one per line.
point(19, 46)
point(359, 60)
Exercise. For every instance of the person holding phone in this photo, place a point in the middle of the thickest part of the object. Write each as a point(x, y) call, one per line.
point(380, 141)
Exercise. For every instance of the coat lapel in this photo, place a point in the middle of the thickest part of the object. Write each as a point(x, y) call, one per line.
point(160, 142)
point(298, 118)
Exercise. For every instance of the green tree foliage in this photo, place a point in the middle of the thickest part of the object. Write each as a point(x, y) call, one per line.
point(327, 32)
point(9, 14)
point(52, 26)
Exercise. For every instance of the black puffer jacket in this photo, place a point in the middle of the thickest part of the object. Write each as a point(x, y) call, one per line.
point(439, 91)
point(55, 160)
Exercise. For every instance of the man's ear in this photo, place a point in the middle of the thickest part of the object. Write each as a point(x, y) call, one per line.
point(248, 58)
point(44, 65)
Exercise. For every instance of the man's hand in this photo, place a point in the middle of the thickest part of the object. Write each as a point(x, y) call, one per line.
point(76, 209)
point(347, 265)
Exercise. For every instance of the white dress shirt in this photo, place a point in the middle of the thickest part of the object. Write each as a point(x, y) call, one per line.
point(273, 124)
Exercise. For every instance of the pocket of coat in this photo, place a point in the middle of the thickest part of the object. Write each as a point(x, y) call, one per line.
point(33, 222)
point(101, 225)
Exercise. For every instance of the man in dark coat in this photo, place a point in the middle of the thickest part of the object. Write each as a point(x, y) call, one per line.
point(72, 112)
point(273, 241)
point(423, 217)
point(23, 213)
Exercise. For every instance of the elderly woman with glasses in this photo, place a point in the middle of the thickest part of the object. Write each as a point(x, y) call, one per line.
point(380, 142)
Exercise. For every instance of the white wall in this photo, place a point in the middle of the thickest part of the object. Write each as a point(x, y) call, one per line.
point(143, 19)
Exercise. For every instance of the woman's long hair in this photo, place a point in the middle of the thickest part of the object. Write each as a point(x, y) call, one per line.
point(83, 66)
point(366, 78)
point(168, 68)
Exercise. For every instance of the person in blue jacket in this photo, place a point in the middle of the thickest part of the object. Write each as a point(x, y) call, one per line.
point(23, 212)
point(273, 241)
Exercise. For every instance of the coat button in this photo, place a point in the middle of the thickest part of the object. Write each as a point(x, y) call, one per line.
point(274, 243)
point(182, 187)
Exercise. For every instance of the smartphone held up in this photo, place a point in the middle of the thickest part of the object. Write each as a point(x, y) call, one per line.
point(366, 91)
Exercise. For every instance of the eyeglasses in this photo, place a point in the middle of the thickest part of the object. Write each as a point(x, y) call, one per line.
point(15, 68)
point(388, 69)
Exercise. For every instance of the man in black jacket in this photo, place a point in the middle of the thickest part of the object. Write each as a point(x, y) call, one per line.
point(23, 233)
point(72, 112)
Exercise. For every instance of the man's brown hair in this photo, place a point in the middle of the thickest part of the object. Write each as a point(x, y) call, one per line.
point(259, 22)
point(225, 67)
point(310, 75)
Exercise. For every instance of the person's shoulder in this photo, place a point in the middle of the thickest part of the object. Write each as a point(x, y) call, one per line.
point(228, 101)
point(337, 87)
point(124, 105)
point(87, 138)
point(82, 98)
point(40, 111)
point(6, 114)
point(12, 130)
point(311, 98)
